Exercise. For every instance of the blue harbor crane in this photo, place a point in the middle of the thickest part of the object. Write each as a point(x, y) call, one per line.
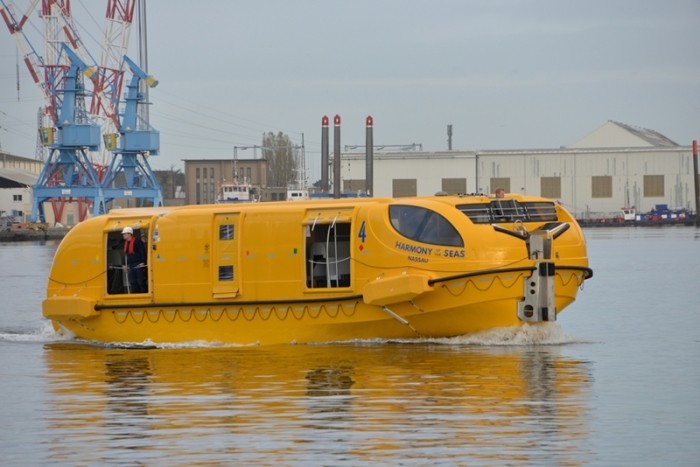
point(129, 174)
point(72, 172)
point(68, 172)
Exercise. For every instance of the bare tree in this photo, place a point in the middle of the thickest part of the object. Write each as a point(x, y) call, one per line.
point(279, 152)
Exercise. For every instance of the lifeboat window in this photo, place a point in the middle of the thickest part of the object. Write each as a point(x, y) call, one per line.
point(328, 255)
point(510, 210)
point(424, 225)
point(226, 232)
point(225, 273)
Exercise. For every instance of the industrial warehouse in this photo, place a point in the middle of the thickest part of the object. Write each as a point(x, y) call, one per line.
point(614, 167)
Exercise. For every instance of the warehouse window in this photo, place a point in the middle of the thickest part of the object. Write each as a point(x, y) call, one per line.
point(500, 182)
point(654, 185)
point(404, 187)
point(454, 185)
point(550, 187)
point(601, 186)
point(354, 186)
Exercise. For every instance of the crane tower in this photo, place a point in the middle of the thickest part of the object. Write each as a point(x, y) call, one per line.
point(77, 168)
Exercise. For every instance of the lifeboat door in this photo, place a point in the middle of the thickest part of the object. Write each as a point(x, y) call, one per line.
point(225, 248)
point(116, 273)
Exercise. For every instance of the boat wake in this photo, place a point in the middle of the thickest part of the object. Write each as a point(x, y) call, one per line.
point(524, 335)
point(546, 333)
point(528, 334)
point(44, 332)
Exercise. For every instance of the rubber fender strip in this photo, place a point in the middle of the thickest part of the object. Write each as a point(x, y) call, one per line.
point(480, 273)
point(222, 303)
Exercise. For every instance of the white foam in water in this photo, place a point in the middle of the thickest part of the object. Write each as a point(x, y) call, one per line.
point(526, 334)
point(148, 344)
point(43, 333)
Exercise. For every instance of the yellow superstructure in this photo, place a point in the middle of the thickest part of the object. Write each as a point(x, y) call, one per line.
point(326, 270)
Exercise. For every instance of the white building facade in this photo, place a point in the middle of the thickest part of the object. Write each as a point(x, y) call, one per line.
point(645, 169)
point(17, 177)
point(16, 194)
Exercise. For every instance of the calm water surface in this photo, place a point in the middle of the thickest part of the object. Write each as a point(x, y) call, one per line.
point(615, 381)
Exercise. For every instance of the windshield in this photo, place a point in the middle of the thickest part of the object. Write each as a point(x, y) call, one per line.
point(423, 225)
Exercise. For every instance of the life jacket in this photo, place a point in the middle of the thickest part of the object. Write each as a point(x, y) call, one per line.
point(129, 246)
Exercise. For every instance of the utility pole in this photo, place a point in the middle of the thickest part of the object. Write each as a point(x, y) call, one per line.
point(336, 156)
point(143, 56)
point(369, 156)
point(302, 165)
point(17, 70)
point(695, 182)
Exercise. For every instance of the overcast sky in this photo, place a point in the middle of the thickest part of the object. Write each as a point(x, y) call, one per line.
point(505, 74)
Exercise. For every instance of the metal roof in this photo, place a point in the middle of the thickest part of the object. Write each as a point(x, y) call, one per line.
point(653, 137)
point(14, 178)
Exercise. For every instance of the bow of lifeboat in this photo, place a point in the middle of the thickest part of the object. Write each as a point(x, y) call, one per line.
point(475, 262)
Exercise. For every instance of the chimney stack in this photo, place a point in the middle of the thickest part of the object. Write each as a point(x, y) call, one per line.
point(324, 154)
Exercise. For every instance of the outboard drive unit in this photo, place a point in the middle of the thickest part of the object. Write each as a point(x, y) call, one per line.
point(538, 290)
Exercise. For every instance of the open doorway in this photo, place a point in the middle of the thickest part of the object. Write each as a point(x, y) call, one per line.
point(328, 255)
point(119, 269)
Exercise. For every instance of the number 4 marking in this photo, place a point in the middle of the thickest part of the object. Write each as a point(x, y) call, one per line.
point(362, 233)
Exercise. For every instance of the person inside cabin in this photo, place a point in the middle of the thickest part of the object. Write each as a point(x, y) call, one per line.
point(498, 212)
point(135, 262)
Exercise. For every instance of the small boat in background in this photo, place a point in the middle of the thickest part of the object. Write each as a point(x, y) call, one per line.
point(237, 192)
point(297, 195)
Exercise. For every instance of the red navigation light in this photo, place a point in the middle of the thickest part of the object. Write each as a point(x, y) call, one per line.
point(370, 120)
point(324, 120)
point(336, 119)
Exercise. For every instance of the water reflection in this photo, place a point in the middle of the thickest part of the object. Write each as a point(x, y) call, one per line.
point(127, 391)
point(339, 404)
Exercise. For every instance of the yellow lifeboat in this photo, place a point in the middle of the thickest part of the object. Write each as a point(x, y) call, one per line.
point(319, 270)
